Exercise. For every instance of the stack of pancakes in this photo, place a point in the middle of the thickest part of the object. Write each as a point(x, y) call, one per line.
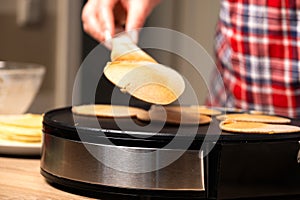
point(22, 128)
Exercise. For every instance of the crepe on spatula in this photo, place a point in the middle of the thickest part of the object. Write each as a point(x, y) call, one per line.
point(137, 73)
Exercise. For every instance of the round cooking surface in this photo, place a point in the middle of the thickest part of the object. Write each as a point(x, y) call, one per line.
point(62, 123)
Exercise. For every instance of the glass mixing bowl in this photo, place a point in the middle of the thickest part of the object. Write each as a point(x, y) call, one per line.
point(19, 84)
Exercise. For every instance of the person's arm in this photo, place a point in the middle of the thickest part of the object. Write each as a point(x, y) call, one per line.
point(102, 16)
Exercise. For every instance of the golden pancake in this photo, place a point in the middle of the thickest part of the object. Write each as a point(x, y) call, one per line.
point(206, 110)
point(155, 93)
point(105, 110)
point(193, 109)
point(18, 138)
point(21, 131)
point(22, 128)
point(150, 82)
point(255, 118)
point(159, 114)
point(257, 127)
point(23, 120)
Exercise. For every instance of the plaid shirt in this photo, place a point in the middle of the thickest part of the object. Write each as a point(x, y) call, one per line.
point(258, 51)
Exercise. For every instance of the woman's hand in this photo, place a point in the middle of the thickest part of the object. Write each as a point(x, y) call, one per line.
point(101, 17)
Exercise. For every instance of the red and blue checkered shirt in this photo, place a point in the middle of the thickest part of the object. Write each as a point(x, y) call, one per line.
point(258, 52)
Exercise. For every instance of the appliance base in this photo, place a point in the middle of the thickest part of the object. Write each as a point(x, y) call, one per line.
point(113, 193)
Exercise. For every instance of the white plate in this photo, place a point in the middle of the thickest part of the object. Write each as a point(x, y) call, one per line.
point(20, 148)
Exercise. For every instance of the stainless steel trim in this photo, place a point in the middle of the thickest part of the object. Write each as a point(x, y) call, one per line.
point(298, 157)
point(71, 160)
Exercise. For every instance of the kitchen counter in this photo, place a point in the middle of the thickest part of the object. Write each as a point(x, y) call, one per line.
point(20, 178)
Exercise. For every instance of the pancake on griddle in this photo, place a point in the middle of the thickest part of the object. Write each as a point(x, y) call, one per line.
point(160, 114)
point(257, 127)
point(193, 109)
point(254, 118)
point(106, 110)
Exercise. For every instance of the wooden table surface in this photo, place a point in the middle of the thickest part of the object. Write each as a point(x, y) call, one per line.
point(20, 178)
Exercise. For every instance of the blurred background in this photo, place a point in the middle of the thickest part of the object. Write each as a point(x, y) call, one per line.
point(49, 32)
